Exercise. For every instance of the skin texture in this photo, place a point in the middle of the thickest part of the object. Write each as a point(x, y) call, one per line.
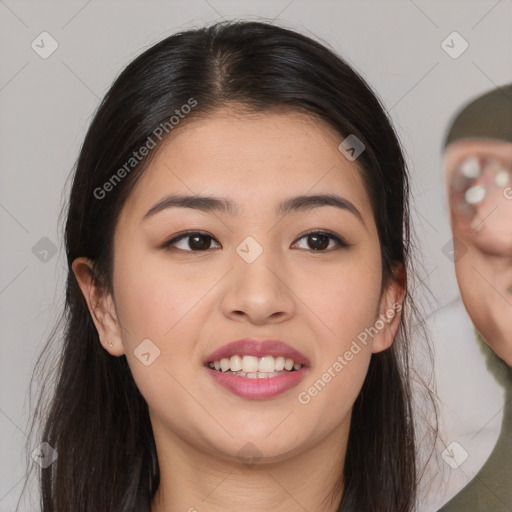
point(191, 303)
point(484, 265)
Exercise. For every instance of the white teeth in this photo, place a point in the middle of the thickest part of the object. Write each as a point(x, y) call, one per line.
point(235, 363)
point(288, 364)
point(250, 364)
point(266, 364)
point(255, 367)
point(224, 364)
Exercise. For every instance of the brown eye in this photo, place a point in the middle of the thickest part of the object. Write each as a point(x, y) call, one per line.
point(192, 241)
point(199, 242)
point(320, 241)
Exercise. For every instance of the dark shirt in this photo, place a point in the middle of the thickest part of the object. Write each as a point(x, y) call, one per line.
point(491, 488)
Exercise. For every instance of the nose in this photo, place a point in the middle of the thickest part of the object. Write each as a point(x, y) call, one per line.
point(257, 292)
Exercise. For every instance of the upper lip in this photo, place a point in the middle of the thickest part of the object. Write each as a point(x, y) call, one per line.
point(257, 348)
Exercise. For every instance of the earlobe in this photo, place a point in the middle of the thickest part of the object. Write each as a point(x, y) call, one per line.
point(101, 306)
point(389, 318)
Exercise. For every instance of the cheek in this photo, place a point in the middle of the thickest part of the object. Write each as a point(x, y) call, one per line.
point(159, 302)
point(344, 296)
point(345, 301)
point(153, 297)
point(352, 304)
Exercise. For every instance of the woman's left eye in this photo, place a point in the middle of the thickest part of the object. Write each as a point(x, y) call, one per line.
point(192, 241)
point(321, 241)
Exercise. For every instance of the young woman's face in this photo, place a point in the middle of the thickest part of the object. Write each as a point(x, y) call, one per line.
point(250, 271)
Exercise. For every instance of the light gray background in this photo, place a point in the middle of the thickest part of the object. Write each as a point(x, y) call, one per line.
point(46, 105)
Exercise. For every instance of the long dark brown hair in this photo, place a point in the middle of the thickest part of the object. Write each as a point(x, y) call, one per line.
point(90, 409)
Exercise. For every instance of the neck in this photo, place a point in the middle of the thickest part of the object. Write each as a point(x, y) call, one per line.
point(194, 481)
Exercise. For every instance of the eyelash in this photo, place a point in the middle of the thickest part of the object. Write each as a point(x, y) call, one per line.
point(342, 244)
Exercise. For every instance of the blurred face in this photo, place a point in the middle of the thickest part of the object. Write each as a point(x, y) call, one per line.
point(247, 265)
point(479, 181)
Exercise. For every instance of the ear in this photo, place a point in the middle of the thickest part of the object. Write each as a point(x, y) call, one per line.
point(388, 321)
point(101, 306)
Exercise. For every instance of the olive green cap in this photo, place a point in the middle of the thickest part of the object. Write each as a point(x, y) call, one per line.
point(489, 116)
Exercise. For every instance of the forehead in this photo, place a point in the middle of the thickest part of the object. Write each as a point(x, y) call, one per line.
point(251, 157)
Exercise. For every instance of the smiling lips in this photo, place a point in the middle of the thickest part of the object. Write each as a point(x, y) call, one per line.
point(257, 369)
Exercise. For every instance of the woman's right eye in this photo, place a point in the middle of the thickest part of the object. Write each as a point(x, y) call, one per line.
point(192, 241)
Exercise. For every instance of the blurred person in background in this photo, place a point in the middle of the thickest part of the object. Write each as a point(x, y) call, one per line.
point(478, 177)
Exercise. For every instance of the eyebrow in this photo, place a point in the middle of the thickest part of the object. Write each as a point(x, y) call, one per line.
point(220, 204)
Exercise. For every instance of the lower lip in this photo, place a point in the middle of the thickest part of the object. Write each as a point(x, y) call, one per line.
point(258, 389)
